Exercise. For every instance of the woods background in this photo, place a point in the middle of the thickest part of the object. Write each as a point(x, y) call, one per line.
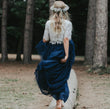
point(25, 21)
point(16, 22)
point(22, 24)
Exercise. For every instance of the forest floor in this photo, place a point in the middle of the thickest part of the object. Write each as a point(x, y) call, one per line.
point(18, 89)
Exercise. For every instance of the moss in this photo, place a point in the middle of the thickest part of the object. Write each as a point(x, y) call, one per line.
point(99, 70)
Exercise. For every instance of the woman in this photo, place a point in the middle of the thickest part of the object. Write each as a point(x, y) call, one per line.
point(58, 53)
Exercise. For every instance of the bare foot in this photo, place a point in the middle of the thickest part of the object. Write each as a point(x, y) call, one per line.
point(59, 104)
point(62, 105)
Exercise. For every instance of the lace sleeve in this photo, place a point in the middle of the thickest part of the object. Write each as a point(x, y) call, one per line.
point(46, 32)
point(68, 30)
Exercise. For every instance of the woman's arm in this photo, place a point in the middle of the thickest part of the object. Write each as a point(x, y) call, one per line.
point(45, 40)
point(66, 48)
point(67, 37)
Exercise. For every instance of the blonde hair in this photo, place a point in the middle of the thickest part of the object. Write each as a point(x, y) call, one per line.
point(59, 17)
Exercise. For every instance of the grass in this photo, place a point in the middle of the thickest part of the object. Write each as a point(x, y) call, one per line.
point(16, 93)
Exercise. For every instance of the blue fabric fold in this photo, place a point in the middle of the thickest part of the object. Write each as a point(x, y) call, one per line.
point(51, 75)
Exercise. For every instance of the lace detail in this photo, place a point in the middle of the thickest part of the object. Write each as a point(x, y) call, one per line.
point(49, 33)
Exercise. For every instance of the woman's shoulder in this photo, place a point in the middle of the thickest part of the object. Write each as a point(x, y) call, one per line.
point(68, 22)
point(47, 22)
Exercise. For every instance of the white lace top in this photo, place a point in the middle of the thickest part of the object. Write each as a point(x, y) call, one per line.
point(55, 37)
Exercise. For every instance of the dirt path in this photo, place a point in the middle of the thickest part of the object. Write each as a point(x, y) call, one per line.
point(18, 89)
point(93, 89)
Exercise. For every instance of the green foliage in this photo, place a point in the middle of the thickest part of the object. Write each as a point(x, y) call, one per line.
point(41, 12)
point(18, 9)
point(16, 21)
point(99, 70)
point(13, 31)
point(41, 22)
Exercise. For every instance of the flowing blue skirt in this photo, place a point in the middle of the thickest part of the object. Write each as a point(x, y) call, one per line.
point(51, 75)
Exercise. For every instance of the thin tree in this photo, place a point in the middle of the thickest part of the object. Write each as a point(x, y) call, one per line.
point(19, 46)
point(90, 32)
point(28, 32)
point(100, 45)
point(4, 31)
point(50, 4)
point(31, 31)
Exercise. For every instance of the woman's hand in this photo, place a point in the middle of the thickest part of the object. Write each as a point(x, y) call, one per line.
point(45, 40)
point(64, 59)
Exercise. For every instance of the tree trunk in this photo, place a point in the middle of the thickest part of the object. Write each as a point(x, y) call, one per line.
point(50, 4)
point(28, 32)
point(90, 32)
point(20, 43)
point(100, 46)
point(3, 32)
point(31, 30)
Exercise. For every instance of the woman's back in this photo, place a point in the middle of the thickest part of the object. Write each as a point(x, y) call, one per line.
point(50, 34)
point(54, 69)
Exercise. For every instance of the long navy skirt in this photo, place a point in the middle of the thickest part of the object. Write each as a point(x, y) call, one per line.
point(52, 75)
